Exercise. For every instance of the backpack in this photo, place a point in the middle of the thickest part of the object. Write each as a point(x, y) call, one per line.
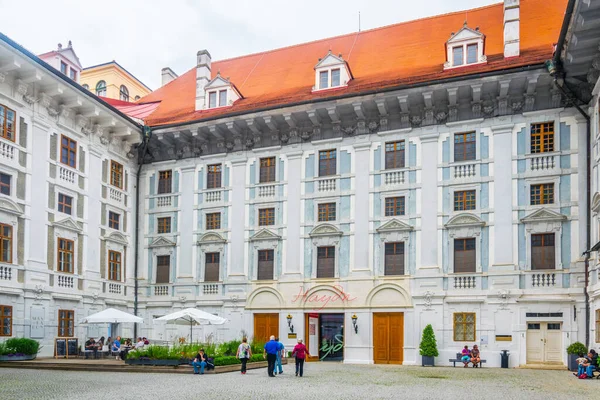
point(583, 376)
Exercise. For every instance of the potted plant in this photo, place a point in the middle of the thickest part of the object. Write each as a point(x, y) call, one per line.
point(573, 351)
point(19, 349)
point(428, 347)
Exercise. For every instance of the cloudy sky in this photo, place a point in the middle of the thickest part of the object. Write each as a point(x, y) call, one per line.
point(146, 35)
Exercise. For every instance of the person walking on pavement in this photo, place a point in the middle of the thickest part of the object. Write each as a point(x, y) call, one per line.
point(300, 352)
point(244, 352)
point(270, 353)
point(280, 350)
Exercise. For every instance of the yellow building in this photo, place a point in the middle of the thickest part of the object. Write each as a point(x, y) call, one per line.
point(113, 81)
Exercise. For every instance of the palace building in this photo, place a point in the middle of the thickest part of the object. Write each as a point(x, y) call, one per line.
point(347, 191)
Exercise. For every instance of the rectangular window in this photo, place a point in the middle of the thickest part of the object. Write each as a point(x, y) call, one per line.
point(164, 181)
point(394, 206)
point(335, 77)
point(73, 74)
point(464, 200)
point(326, 262)
point(114, 266)
point(222, 98)
point(116, 174)
point(68, 151)
point(464, 327)
point(6, 317)
point(542, 251)
point(163, 269)
point(65, 204)
point(7, 123)
point(464, 256)
point(542, 137)
point(394, 258)
point(542, 194)
point(266, 216)
point(65, 255)
point(213, 221)
point(327, 162)
point(464, 146)
point(394, 155)
point(66, 323)
point(212, 99)
point(5, 184)
point(63, 67)
point(323, 79)
point(211, 267)
point(471, 53)
point(598, 325)
point(265, 265)
point(6, 243)
point(213, 180)
point(457, 56)
point(164, 225)
point(326, 212)
point(267, 169)
point(113, 220)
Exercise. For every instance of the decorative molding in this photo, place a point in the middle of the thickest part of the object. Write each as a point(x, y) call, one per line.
point(464, 220)
point(428, 298)
point(9, 206)
point(325, 230)
point(596, 203)
point(116, 237)
point(543, 215)
point(162, 242)
point(69, 224)
point(394, 225)
point(211, 238)
point(264, 234)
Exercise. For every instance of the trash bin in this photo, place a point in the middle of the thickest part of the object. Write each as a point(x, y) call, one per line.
point(504, 359)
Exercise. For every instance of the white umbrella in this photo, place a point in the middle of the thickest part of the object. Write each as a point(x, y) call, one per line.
point(111, 315)
point(192, 316)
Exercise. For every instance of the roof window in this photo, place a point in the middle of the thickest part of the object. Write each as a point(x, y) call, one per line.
point(220, 93)
point(331, 72)
point(465, 48)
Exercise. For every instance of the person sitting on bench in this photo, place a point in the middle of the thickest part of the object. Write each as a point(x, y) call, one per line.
point(475, 356)
point(466, 356)
point(91, 346)
point(201, 360)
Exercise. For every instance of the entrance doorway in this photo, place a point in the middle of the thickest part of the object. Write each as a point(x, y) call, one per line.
point(265, 325)
point(544, 342)
point(388, 338)
point(325, 336)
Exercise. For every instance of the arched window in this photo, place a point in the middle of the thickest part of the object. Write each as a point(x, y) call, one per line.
point(86, 86)
point(101, 88)
point(137, 98)
point(124, 93)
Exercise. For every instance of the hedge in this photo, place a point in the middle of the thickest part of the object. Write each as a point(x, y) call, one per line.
point(19, 346)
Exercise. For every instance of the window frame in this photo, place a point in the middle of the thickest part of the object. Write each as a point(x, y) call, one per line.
point(403, 257)
point(327, 212)
point(464, 323)
point(163, 225)
point(6, 239)
point(330, 250)
point(3, 316)
point(66, 251)
point(158, 264)
point(4, 121)
point(123, 93)
point(69, 150)
point(220, 97)
point(213, 221)
point(115, 265)
point(544, 199)
point(69, 317)
point(213, 254)
point(114, 223)
point(329, 162)
point(399, 154)
point(464, 144)
point(464, 201)
point(462, 53)
point(464, 240)
point(64, 68)
point(270, 170)
point(467, 46)
point(266, 216)
point(3, 186)
point(101, 89)
point(396, 206)
point(64, 204)
point(214, 178)
point(73, 74)
point(540, 147)
point(165, 177)
point(117, 174)
point(543, 237)
point(259, 253)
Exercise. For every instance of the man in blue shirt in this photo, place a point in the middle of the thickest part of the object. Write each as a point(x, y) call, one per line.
point(271, 349)
point(278, 365)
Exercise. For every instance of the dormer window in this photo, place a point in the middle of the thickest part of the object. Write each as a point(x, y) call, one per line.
point(331, 72)
point(465, 48)
point(221, 93)
point(212, 99)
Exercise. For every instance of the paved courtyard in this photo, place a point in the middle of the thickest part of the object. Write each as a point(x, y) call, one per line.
point(322, 380)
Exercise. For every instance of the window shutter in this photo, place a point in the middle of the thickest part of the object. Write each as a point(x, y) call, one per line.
point(211, 267)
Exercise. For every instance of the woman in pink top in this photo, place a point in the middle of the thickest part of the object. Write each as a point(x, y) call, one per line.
point(300, 352)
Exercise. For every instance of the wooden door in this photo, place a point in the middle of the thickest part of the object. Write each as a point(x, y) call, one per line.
point(388, 338)
point(544, 342)
point(265, 325)
point(553, 343)
point(535, 343)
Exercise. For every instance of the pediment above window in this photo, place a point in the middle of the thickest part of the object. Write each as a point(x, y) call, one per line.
point(69, 224)
point(465, 47)
point(9, 206)
point(331, 72)
point(116, 237)
point(220, 92)
point(394, 225)
point(162, 242)
point(325, 230)
point(465, 34)
point(543, 215)
point(211, 238)
point(464, 220)
point(265, 234)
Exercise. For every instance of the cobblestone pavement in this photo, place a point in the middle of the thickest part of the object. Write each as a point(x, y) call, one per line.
point(321, 380)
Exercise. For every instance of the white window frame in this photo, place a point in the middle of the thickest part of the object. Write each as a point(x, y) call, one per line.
point(115, 210)
point(477, 146)
point(540, 120)
point(406, 153)
point(205, 211)
point(61, 190)
point(217, 247)
point(258, 207)
point(162, 251)
point(112, 246)
point(337, 162)
point(325, 200)
point(62, 233)
point(326, 241)
point(539, 227)
point(393, 237)
point(257, 171)
point(13, 180)
point(217, 92)
point(467, 232)
point(461, 188)
point(543, 180)
point(476, 37)
point(397, 193)
point(269, 244)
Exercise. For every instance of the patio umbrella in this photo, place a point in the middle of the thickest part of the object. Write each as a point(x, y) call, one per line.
point(192, 316)
point(111, 315)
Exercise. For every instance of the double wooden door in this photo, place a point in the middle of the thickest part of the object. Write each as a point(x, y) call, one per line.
point(388, 338)
point(265, 325)
point(544, 342)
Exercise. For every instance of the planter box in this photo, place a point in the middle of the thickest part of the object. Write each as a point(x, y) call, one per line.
point(427, 360)
point(18, 358)
point(147, 361)
point(572, 363)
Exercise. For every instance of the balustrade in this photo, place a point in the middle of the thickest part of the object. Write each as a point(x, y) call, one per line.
point(164, 201)
point(266, 191)
point(541, 163)
point(161, 290)
point(67, 175)
point(464, 282)
point(7, 151)
point(115, 195)
point(394, 178)
point(210, 288)
point(65, 281)
point(5, 273)
point(115, 288)
point(465, 171)
point(544, 279)
point(326, 185)
point(213, 196)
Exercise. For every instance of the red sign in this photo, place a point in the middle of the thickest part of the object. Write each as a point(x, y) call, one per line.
point(321, 301)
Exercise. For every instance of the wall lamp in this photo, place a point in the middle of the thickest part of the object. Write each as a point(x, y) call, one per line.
point(550, 67)
point(289, 320)
point(354, 319)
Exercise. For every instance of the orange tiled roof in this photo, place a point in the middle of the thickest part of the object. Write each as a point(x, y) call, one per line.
point(402, 54)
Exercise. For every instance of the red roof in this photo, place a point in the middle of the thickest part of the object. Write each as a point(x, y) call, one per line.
point(391, 56)
point(134, 110)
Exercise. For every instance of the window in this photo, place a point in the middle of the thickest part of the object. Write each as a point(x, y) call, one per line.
point(598, 325)
point(123, 93)
point(212, 99)
point(326, 262)
point(164, 181)
point(163, 267)
point(65, 203)
point(542, 137)
point(222, 98)
point(394, 206)
point(6, 321)
point(7, 123)
point(116, 174)
point(464, 146)
point(326, 212)
point(327, 162)
point(267, 169)
point(542, 251)
point(164, 225)
point(464, 256)
point(265, 265)
point(471, 53)
point(68, 151)
point(464, 327)
point(464, 200)
point(65, 255)
point(330, 78)
point(86, 86)
point(63, 67)
point(211, 267)
point(73, 74)
point(266, 216)
point(137, 98)
point(457, 56)
point(542, 194)
point(66, 323)
point(394, 258)
point(114, 266)
point(101, 88)
point(113, 220)
point(394, 155)
point(6, 243)
point(335, 77)
point(214, 176)
point(5, 184)
point(323, 79)
point(213, 221)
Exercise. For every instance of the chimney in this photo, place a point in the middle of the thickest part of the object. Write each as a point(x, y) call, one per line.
point(203, 76)
point(168, 75)
point(511, 28)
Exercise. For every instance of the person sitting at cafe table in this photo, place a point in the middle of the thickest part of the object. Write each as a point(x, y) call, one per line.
point(125, 349)
point(140, 344)
point(91, 345)
point(146, 341)
point(116, 346)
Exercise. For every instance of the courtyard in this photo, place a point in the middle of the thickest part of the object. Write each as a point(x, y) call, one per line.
point(321, 380)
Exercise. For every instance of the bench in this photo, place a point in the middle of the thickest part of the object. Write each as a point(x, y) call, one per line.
point(459, 359)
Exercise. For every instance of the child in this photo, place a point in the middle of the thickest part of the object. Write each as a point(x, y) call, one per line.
point(581, 359)
point(466, 356)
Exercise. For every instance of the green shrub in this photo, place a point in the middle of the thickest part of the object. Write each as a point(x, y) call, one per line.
point(577, 348)
point(257, 347)
point(228, 348)
point(428, 346)
point(20, 346)
point(231, 360)
point(3, 350)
